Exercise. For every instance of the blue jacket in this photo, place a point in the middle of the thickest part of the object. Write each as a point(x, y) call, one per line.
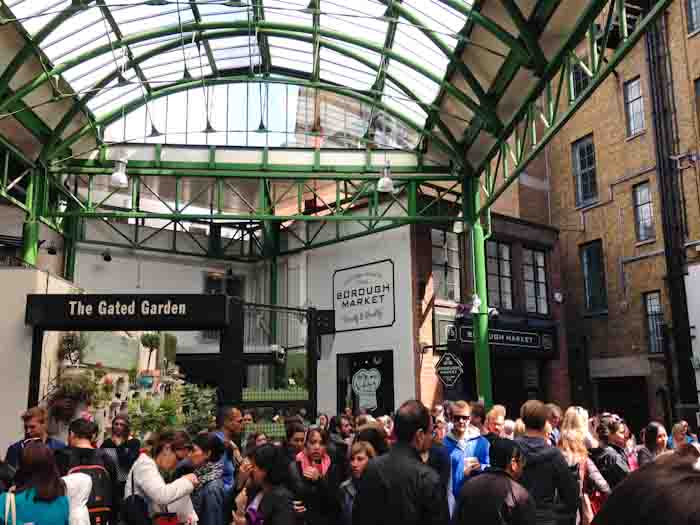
point(208, 501)
point(229, 466)
point(473, 444)
point(54, 512)
point(15, 451)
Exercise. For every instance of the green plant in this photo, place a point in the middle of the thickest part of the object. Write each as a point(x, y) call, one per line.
point(198, 407)
point(150, 340)
point(133, 374)
point(148, 415)
point(170, 341)
point(70, 392)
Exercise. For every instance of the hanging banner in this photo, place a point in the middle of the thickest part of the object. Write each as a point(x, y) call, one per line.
point(363, 296)
point(127, 312)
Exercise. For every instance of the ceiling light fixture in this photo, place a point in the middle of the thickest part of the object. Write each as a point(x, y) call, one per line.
point(156, 2)
point(261, 126)
point(119, 177)
point(106, 256)
point(385, 183)
point(154, 131)
point(310, 8)
point(233, 3)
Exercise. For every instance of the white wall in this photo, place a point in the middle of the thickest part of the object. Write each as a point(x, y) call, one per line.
point(317, 270)
point(16, 348)
point(692, 290)
point(141, 272)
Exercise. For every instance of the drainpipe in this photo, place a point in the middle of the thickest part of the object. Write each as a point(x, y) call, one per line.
point(685, 396)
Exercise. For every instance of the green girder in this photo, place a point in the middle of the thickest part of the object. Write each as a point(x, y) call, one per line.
point(278, 30)
point(68, 117)
point(186, 84)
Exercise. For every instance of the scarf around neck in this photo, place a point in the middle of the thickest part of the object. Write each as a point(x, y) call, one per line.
point(209, 471)
point(306, 462)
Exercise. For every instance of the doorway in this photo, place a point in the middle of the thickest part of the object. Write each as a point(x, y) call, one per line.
point(366, 382)
point(627, 397)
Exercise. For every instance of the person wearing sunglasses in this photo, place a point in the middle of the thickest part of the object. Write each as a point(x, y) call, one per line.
point(610, 456)
point(468, 450)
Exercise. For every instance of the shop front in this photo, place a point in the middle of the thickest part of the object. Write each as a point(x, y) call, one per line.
point(519, 353)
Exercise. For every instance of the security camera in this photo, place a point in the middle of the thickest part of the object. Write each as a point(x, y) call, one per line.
point(52, 249)
point(494, 313)
point(106, 256)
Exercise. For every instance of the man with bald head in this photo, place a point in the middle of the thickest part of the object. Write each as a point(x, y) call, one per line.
point(397, 487)
point(230, 422)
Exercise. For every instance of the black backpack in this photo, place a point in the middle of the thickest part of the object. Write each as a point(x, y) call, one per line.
point(100, 502)
point(134, 509)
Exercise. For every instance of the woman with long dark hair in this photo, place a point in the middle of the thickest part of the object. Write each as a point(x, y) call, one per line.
point(208, 498)
point(314, 479)
point(266, 499)
point(610, 457)
point(655, 439)
point(40, 496)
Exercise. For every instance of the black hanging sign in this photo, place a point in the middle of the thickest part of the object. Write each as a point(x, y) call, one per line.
point(449, 369)
point(127, 312)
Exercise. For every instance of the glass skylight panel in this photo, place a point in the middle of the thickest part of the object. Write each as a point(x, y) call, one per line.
point(362, 19)
point(412, 43)
point(445, 21)
point(87, 74)
point(291, 54)
point(135, 17)
point(108, 98)
point(35, 14)
point(288, 12)
point(424, 88)
point(369, 55)
point(221, 13)
point(399, 101)
point(352, 73)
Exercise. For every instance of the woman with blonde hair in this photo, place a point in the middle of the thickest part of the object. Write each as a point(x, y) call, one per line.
point(576, 418)
point(572, 444)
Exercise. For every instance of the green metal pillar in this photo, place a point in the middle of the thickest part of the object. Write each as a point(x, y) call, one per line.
point(30, 230)
point(471, 202)
point(70, 242)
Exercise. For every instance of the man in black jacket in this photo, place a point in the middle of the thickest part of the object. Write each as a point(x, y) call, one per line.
point(397, 487)
point(495, 497)
point(546, 475)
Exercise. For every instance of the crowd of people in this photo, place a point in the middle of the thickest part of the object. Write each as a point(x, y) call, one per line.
point(454, 464)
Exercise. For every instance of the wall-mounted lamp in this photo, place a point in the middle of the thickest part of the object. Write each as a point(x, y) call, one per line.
point(106, 256)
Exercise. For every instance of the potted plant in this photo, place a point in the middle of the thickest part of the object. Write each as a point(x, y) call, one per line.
point(70, 393)
point(146, 378)
point(151, 340)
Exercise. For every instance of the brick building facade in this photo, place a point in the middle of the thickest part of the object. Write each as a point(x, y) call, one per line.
point(599, 182)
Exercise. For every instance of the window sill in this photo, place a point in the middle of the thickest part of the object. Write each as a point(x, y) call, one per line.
point(587, 206)
point(645, 243)
point(594, 315)
point(446, 303)
point(636, 135)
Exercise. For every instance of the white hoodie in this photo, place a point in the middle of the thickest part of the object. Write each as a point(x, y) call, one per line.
point(78, 489)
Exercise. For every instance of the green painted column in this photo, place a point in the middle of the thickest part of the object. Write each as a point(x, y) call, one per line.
point(480, 322)
point(30, 229)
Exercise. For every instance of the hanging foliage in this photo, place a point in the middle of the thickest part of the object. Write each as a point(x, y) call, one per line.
point(198, 407)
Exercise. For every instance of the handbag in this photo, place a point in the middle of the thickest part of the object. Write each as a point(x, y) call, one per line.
point(10, 508)
point(134, 508)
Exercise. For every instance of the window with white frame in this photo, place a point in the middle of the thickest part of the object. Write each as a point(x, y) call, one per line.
point(643, 212)
point(499, 273)
point(583, 153)
point(634, 106)
point(447, 265)
point(535, 279)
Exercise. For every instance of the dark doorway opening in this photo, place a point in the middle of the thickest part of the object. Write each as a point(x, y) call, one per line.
point(627, 397)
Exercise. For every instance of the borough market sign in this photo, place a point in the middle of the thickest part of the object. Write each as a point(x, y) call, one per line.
point(363, 296)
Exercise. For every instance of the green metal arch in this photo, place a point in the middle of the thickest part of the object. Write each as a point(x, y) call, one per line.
point(68, 117)
point(196, 83)
point(279, 30)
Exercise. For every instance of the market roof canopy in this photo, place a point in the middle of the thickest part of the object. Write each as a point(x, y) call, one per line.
point(445, 74)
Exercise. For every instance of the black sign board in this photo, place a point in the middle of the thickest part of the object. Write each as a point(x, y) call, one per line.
point(127, 312)
point(506, 339)
point(449, 369)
